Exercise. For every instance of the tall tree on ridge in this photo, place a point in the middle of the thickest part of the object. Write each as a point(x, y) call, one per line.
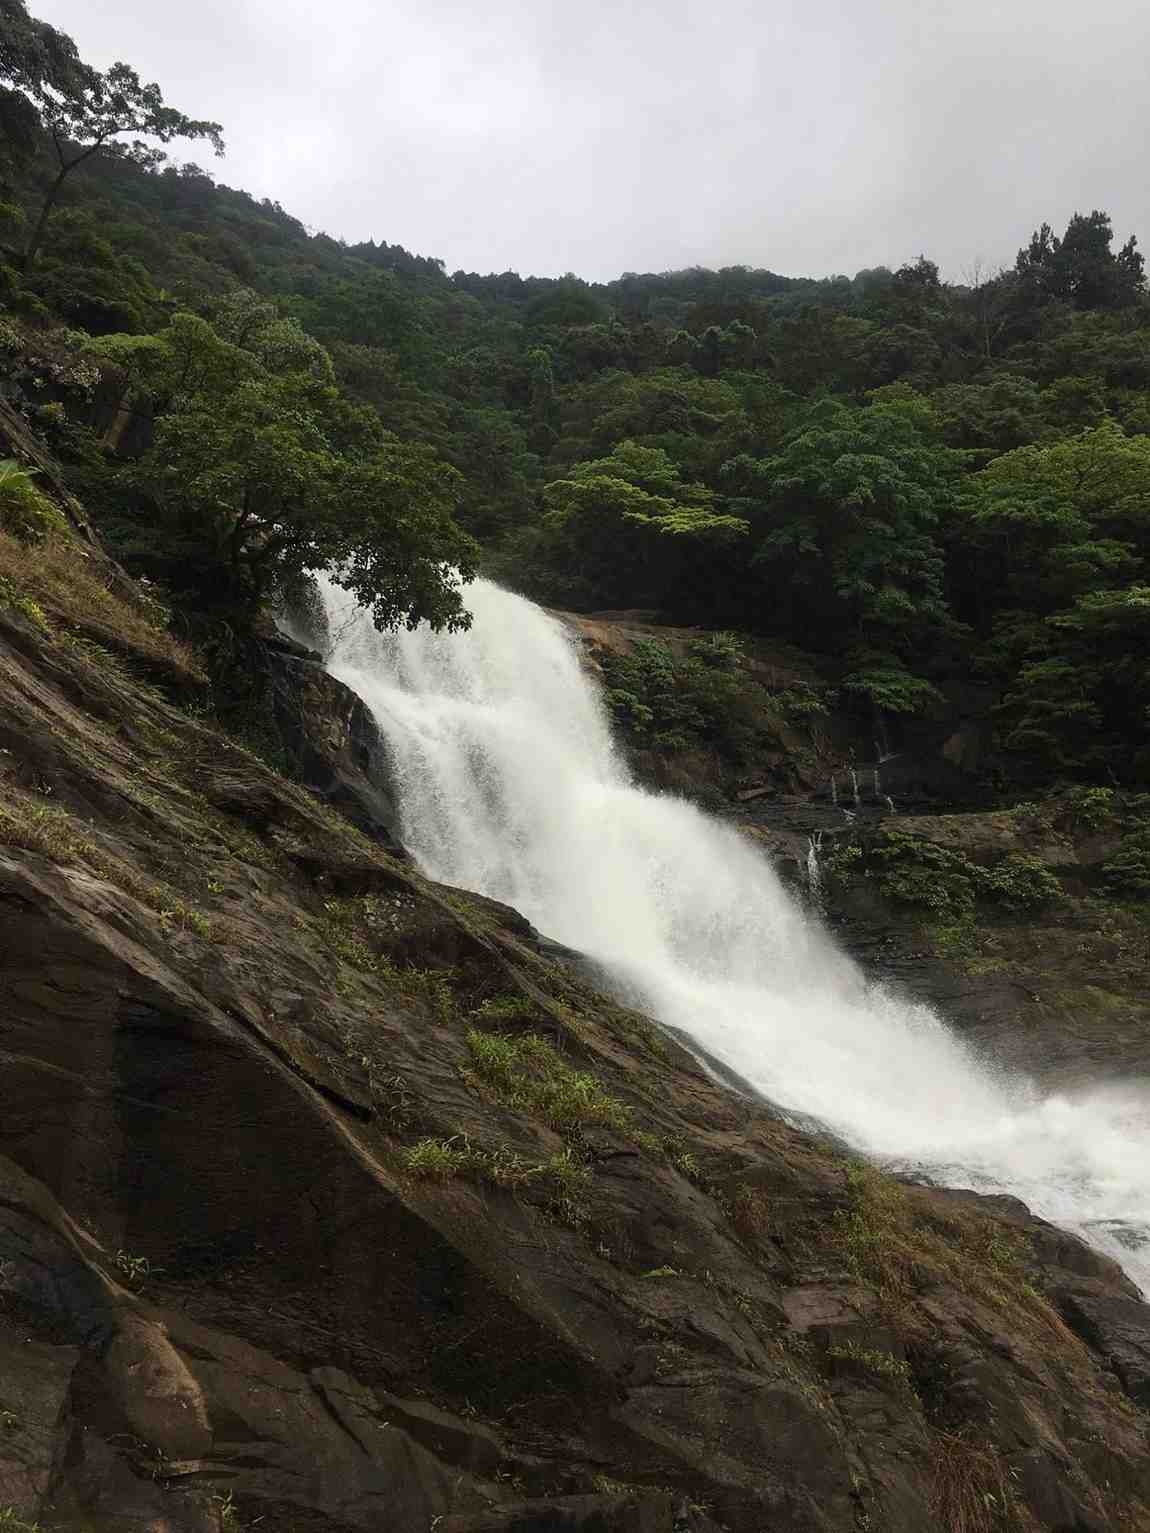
point(83, 111)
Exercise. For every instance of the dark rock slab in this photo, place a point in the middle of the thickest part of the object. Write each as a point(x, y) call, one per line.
point(1119, 1329)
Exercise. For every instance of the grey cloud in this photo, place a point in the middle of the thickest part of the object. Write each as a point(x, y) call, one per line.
point(595, 137)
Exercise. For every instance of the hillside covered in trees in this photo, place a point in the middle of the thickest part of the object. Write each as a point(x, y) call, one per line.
point(922, 481)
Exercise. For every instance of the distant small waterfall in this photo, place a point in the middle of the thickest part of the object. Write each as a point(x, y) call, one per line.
point(814, 869)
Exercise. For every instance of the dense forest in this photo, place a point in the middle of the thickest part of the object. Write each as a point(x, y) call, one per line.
point(925, 482)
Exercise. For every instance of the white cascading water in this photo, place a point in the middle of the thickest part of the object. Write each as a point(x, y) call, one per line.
point(509, 785)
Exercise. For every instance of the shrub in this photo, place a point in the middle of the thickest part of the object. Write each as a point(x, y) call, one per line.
point(669, 703)
point(916, 872)
point(890, 688)
point(944, 881)
point(799, 702)
point(1128, 871)
point(25, 511)
point(1020, 882)
point(1091, 808)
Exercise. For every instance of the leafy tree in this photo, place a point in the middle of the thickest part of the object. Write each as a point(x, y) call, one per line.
point(625, 520)
point(1083, 706)
point(1059, 528)
point(1052, 522)
point(844, 522)
point(243, 500)
point(1081, 268)
point(992, 417)
point(35, 59)
point(84, 112)
point(260, 470)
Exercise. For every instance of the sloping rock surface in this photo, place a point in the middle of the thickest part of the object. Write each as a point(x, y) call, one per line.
point(279, 1249)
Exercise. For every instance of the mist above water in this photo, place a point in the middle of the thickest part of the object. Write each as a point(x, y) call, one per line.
point(509, 785)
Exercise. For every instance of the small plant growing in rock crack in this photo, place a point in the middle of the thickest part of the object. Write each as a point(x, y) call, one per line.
point(9, 1420)
point(504, 1008)
point(175, 912)
point(883, 1365)
point(662, 1272)
point(395, 1098)
point(229, 1517)
point(442, 1159)
point(136, 1269)
point(530, 1076)
point(11, 1522)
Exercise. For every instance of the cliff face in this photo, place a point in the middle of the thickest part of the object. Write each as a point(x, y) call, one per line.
point(329, 1201)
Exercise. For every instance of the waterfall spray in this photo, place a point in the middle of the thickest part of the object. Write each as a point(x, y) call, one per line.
point(509, 785)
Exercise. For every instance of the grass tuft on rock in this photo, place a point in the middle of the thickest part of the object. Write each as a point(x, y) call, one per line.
point(531, 1077)
point(442, 1159)
point(893, 1241)
point(58, 584)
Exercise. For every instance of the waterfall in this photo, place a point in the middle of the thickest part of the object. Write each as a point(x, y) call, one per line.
point(814, 869)
point(855, 787)
point(509, 784)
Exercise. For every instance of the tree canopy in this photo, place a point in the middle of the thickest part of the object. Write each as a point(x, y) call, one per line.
point(928, 484)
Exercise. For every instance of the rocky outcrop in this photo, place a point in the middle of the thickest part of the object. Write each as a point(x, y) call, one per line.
point(332, 740)
point(328, 1201)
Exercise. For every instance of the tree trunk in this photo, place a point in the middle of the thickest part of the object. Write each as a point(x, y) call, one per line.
point(36, 238)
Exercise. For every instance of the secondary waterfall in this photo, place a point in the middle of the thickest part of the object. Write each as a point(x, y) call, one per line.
point(510, 785)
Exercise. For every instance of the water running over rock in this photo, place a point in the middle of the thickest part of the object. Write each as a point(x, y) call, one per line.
point(510, 785)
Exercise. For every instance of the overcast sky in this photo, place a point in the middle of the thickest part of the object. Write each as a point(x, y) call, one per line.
point(598, 136)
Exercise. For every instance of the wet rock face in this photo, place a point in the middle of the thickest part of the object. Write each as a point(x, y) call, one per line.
point(338, 750)
point(275, 1251)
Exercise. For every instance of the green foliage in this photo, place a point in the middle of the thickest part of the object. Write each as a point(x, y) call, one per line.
point(799, 702)
point(25, 511)
point(256, 477)
point(893, 1240)
point(505, 1008)
point(1020, 882)
point(11, 1522)
point(11, 596)
point(844, 523)
point(1091, 808)
point(913, 871)
point(1127, 872)
point(619, 520)
point(916, 872)
point(666, 702)
point(887, 685)
point(530, 1076)
point(1080, 268)
point(85, 113)
point(882, 1365)
point(1065, 540)
point(442, 1159)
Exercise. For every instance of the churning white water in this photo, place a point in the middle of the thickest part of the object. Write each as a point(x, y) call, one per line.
point(509, 785)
